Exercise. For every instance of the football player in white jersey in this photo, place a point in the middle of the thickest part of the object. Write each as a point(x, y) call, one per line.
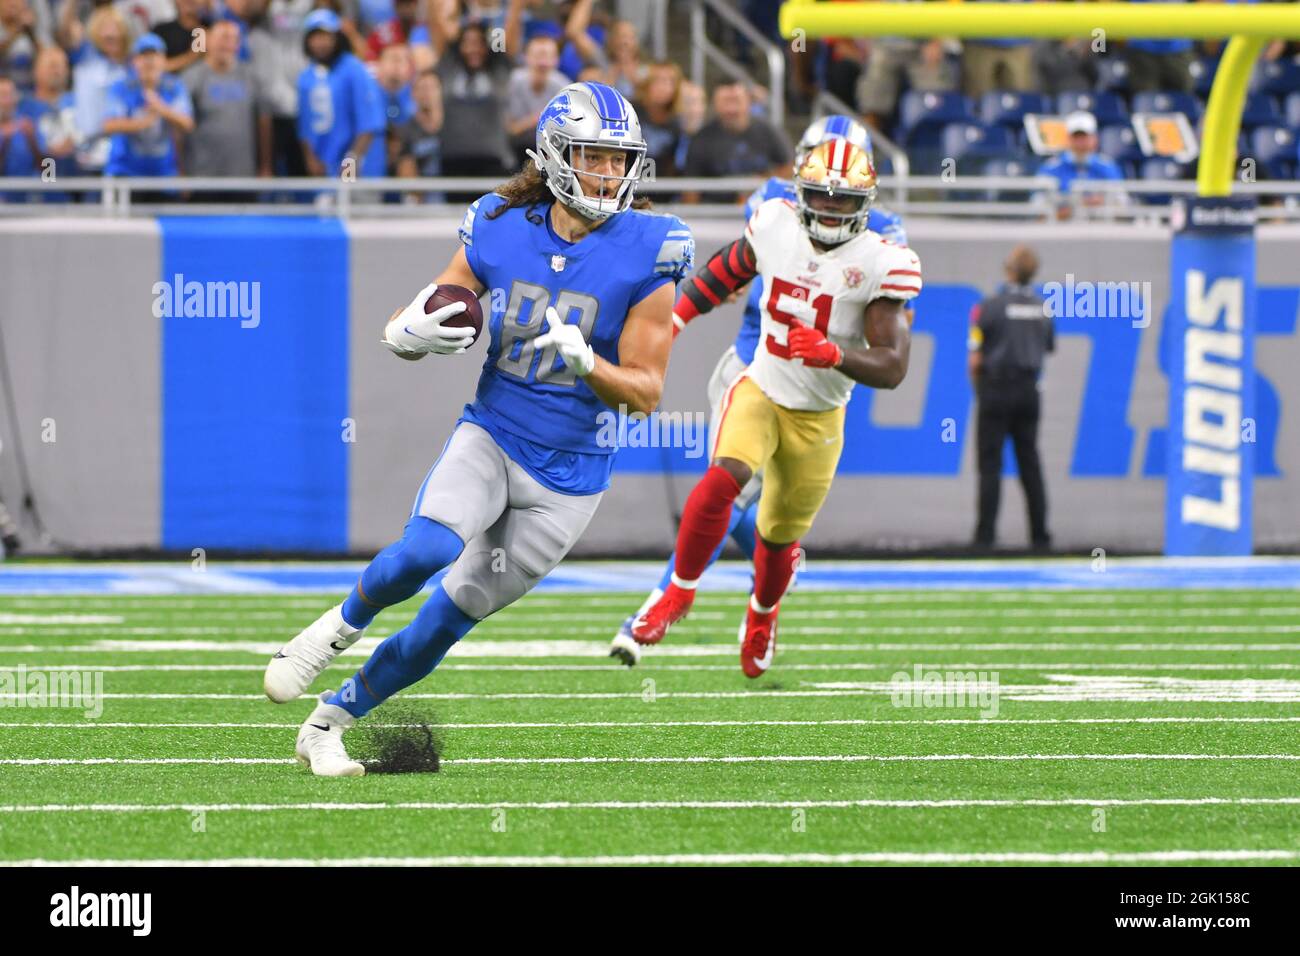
point(834, 297)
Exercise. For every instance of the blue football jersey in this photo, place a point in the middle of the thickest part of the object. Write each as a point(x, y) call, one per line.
point(882, 221)
point(544, 416)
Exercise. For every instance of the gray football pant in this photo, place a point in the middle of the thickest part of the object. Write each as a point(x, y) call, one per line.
point(515, 529)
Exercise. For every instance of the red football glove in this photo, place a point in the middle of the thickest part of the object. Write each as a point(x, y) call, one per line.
point(810, 345)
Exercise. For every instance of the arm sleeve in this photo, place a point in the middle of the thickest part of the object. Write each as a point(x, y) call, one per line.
point(726, 271)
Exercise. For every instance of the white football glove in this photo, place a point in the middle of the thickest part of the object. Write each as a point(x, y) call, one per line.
point(568, 341)
point(414, 332)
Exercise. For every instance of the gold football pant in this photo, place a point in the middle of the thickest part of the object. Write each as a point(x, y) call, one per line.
point(798, 451)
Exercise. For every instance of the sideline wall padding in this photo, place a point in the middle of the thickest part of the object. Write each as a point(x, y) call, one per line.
point(254, 397)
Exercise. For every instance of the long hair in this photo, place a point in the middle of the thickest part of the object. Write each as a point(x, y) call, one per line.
point(528, 188)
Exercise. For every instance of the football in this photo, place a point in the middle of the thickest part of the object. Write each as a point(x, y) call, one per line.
point(471, 318)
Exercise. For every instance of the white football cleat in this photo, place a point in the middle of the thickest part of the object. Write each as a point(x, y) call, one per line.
point(301, 661)
point(624, 646)
point(320, 742)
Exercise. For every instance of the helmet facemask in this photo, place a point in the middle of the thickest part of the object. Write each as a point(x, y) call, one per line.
point(595, 196)
point(835, 185)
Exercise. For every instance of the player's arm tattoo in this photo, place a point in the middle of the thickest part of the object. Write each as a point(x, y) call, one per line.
point(884, 364)
point(727, 270)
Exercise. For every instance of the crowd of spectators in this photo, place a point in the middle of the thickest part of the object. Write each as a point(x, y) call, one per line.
point(373, 88)
point(363, 88)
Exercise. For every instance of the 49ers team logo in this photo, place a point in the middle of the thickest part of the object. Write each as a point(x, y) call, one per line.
point(853, 277)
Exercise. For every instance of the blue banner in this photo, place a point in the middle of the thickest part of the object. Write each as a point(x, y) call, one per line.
point(1210, 443)
point(254, 313)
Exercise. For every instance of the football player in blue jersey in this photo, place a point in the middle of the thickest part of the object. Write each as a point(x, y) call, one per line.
point(734, 361)
point(582, 282)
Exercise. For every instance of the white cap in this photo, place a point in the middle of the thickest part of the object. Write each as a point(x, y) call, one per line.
point(1081, 121)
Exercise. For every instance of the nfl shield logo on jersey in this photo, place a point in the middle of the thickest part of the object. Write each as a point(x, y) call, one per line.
point(558, 263)
point(853, 277)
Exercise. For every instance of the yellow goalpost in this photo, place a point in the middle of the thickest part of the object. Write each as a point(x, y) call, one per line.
point(1248, 26)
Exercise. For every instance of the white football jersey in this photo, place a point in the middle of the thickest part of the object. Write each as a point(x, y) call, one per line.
point(828, 290)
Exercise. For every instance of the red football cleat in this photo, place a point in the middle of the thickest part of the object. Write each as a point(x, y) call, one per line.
point(651, 626)
point(757, 642)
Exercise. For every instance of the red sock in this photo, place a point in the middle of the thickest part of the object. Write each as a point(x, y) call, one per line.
point(773, 569)
point(704, 521)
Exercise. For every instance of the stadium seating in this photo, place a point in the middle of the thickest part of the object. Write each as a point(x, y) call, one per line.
point(1168, 102)
point(1008, 167)
point(1108, 108)
point(1274, 150)
point(1008, 108)
point(1162, 168)
point(1120, 143)
point(978, 141)
point(1202, 71)
point(1278, 78)
point(1260, 110)
point(923, 115)
point(1112, 75)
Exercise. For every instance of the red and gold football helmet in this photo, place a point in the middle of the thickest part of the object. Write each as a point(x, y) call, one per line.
point(835, 185)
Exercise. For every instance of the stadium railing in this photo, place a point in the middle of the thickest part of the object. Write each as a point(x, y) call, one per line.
point(705, 51)
point(929, 196)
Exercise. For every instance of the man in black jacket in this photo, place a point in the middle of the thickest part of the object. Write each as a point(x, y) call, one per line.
point(1010, 334)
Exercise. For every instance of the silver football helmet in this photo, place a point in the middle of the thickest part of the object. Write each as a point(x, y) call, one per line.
point(587, 115)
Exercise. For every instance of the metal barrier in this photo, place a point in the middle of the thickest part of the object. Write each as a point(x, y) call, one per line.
point(705, 50)
point(1002, 197)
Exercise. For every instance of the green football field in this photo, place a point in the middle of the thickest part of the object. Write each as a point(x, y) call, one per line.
point(917, 726)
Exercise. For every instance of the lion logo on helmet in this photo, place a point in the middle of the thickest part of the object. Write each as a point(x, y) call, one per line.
point(556, 110)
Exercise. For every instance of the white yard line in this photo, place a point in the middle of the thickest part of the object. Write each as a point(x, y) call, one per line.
point(1057, 598)
point(650, 665)
point(524, 629)
point(648, 724)
point(581, 612)
point(727, 759)
point(484, 646)
point(706, 859)
point(653, 805)
point(55, 619)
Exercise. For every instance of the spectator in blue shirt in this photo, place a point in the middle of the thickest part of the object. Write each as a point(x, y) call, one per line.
point(20, 148)
point(147, 113)
point(100, 62)
point(50, 108)
point(394, 72)
point(1081, 161)
point(340, 107)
